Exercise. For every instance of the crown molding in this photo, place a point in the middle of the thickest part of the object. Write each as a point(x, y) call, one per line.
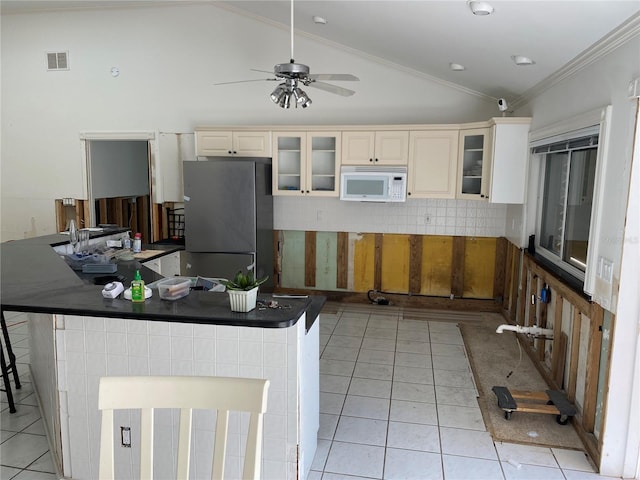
point(616, 38)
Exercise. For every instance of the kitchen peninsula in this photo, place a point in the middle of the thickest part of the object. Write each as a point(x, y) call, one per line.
point(77, 336)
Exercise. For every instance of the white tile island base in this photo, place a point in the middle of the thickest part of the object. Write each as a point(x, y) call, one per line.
point(87, 348)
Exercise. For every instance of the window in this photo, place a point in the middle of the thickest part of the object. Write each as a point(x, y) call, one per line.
point(566, 198)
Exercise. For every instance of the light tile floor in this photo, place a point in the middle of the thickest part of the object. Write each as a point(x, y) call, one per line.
point(397, 401)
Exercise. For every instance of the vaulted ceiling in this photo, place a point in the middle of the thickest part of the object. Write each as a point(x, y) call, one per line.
point(426, 37)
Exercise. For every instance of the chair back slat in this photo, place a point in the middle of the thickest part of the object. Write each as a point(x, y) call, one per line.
point(106, 446)
point(146, 443)
point(147, 393)
point(184, 442)
point(220, 445)
point(253, 452)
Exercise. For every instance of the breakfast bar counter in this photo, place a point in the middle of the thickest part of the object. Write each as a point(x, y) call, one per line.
point(77, 336)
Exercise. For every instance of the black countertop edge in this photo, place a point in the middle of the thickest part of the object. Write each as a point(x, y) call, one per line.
point(36, 279)
point(220, 315)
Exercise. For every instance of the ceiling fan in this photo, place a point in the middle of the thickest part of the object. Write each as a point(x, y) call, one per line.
point(293, 74)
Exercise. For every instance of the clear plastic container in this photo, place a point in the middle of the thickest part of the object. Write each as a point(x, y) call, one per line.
point(174, 288)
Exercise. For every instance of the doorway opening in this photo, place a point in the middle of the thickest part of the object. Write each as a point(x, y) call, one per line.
point(119, 188)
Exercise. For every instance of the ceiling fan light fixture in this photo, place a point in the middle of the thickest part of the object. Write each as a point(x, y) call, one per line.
point(480, 8)
point(285, 101)
point(277, 94)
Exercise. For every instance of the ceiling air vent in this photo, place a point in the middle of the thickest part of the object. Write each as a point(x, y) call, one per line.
point(57, 60)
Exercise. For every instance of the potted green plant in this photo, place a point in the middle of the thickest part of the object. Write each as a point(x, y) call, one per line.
point(243, 291)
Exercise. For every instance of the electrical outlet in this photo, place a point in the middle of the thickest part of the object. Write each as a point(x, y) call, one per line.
point(125, 436)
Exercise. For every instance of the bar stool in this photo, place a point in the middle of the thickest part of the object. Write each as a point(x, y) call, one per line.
point(8, 368)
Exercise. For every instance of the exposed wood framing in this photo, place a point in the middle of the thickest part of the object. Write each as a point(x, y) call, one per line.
point(79, 212)
point(310, 259)
point(457, 267)
point(415, 264)
point(593, 369)
point(575, 354)
point(564, 371)
point(377, 275)
point(557, 358)
point(499, 278)
point(342, 270)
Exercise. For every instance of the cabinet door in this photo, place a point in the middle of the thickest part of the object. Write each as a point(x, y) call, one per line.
point(289, 151)
point(510, 163)
point(473, 159)
point(433, 162)
point(323, 163)
point(170, 264)
point(214, 144)
point(251, 144)
point(391, 148)
point(358, 148)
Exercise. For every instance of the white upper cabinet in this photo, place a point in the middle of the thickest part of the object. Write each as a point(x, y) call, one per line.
point(474, 163)
point(226, 143)
point(493, 161)
point(375, 147)
point(173, 149)
point(433, 160)
point(306, 163)
point(510, 154)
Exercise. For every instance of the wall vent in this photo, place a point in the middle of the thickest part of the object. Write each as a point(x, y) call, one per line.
point(57, 60)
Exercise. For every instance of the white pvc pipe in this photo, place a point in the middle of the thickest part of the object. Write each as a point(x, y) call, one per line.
point(526, 330)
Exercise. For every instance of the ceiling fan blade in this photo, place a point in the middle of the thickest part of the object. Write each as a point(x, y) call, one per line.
point(261, 71)
point(327, 87)
point(343, 77)
point(246, 81)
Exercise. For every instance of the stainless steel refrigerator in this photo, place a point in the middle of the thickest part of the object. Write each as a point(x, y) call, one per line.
point(228, 220)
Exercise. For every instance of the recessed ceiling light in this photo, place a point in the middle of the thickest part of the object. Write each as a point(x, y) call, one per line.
point(522, 60)
point(456, 67)
point(480, 8)
point(319, 20)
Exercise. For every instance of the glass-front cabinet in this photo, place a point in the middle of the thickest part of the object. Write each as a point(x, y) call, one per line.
point(306, 163)
point(474, 164)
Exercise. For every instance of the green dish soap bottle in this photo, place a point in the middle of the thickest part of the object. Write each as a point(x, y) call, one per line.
point(137, 288)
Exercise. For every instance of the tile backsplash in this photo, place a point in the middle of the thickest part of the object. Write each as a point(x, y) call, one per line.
point(415, 216)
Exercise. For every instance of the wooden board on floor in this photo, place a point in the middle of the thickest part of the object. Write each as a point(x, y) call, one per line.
point(326, 254)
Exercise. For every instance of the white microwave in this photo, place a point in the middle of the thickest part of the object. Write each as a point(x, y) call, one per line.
point(373, 184)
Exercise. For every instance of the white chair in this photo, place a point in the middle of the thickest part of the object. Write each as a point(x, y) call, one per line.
point(223, 394)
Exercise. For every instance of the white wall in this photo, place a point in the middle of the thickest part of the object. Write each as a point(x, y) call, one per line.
point(169, 57)
point(604, 82)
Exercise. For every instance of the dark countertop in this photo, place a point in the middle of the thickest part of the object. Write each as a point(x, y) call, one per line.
point(34, 278)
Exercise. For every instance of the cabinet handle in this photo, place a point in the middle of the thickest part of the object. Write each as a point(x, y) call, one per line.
point(229, 152)
point(408, 193)
point(234, 152)
point(371, 159)
point(376, 159)
point(302, 192)
point(307, 191)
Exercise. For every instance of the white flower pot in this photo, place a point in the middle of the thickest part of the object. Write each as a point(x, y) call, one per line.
point(243, 300)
